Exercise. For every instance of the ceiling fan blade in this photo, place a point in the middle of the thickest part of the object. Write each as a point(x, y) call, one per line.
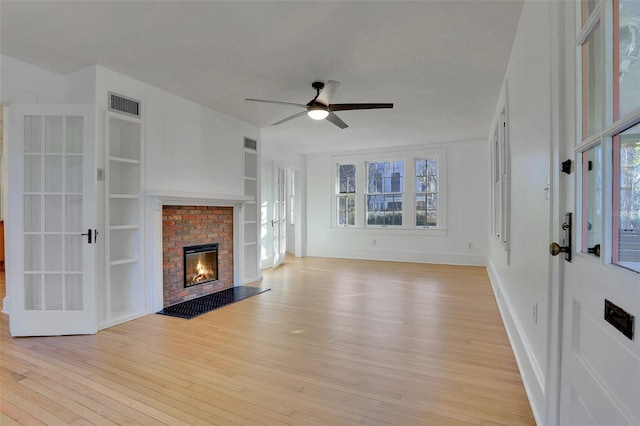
point(290, 118)
point(336, 120)
point(347, 107)
point(327, 92)
point(275, 102)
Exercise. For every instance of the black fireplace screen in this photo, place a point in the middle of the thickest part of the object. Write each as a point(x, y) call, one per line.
point(200, 264)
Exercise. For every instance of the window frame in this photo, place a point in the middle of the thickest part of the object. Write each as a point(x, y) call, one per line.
point(604, 17)
point(345, 195)
point(408, 155)
point(368, 193)
point(501, 172)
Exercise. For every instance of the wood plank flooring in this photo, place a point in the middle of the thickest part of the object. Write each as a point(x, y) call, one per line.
point(336, 342)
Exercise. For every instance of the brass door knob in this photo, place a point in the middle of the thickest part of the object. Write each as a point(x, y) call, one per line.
point(555, 249)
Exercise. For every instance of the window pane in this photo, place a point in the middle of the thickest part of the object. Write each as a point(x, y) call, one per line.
point(427, 175)
point(627, 220)
point(347, 178)
point(346, 210)
point(385, 176)
point(592, 84)
point(591, 199)
point(629, 51)
point(384, 209)
point(427, 210)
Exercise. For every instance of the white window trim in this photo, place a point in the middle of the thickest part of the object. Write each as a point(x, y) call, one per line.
point(408, 155)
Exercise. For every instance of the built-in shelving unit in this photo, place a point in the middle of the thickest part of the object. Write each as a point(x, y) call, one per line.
point(124, 284)
point(251, 210)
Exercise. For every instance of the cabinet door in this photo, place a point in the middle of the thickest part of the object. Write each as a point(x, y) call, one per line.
point(51, 220)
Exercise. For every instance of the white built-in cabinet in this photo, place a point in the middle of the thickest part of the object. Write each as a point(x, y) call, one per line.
point(124, 288)
point(251, 210)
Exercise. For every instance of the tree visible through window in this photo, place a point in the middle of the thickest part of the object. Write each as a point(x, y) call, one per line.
point(346, 198)
point(427, 192)
point(385, 187)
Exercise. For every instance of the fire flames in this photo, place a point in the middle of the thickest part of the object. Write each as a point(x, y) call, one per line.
point(201, 272)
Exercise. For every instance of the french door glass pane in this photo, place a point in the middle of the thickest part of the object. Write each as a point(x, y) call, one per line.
point(32, 213)
point(33, 252)
point(74, 174)
point(32, 292)
point(592, 84)
point(33, 134)
point(73, 292)
point(74, 135)
point(32, 172)
point(53, 252)
point(73, 213)
point(591, 199)
point(53, 218)
point(53, 292)
point(74, 253)
point(627, 223)
point(53, 173)
point(629, 52)
point(53, 135)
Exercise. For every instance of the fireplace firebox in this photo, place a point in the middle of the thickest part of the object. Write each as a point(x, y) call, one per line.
point(200, 264)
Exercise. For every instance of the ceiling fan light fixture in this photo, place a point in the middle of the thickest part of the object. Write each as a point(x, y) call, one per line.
point(318, 112)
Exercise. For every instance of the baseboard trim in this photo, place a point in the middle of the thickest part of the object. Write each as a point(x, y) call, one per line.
point(532, 375)
point(400, 256)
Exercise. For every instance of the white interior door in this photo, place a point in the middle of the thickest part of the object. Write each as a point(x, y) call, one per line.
point(278, 222)
point(51, 220)
point(600, 359)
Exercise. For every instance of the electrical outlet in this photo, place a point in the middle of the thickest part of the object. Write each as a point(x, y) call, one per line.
point(374, 242)
point(470, 246)
point(535, 312)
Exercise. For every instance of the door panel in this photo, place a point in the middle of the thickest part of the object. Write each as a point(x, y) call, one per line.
point(50, 277)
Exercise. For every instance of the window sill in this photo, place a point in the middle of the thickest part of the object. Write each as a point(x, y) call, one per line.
point(391, 230)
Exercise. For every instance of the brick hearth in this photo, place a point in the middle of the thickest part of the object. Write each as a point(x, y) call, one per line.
point(194, 225)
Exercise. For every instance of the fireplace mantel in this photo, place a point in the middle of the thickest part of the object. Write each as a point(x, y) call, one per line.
point(174, 198)
point(155, 199)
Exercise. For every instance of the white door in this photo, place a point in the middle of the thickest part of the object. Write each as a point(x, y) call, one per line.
point(278, 223)
point(51, 220)
point(600, 358)
point(292, 183)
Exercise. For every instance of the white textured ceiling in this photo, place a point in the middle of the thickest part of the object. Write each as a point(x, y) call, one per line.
point(440, 62)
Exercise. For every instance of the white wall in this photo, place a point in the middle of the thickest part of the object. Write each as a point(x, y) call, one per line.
point(24, 83)
point(466, 171)
point(521, 277)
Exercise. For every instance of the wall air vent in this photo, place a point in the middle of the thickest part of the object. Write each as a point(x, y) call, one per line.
point(250, 144)
point(124, 105)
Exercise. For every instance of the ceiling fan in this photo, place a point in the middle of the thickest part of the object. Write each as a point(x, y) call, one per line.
point(320, 107)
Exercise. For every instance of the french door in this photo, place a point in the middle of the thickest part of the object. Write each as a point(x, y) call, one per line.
point(51, 220)
point(278, 223)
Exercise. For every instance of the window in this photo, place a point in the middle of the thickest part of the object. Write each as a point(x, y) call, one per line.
point(500, 172)
point(427, 192)
point(405, 192)
point(346, 195)
point(385, 187)
point(610, 131)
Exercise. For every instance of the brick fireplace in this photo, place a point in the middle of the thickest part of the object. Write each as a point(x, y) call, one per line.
point(176, 219)
point(184, 226)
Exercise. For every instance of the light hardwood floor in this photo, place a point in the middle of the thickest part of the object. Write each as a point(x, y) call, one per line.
point(335, 342)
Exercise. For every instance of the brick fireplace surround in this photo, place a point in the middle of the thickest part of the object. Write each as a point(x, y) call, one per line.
point(194, 225)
